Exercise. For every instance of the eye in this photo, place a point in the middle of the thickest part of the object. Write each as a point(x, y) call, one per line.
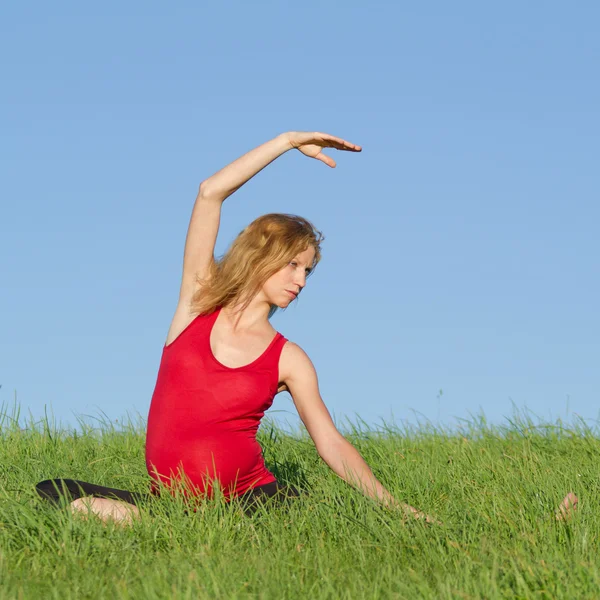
point(294, 263)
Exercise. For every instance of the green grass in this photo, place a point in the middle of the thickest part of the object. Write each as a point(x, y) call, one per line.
point(494, 488)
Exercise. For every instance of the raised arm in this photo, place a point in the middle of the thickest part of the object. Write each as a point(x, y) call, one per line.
point(206, 215)
point(298, 373)
point(204, 223)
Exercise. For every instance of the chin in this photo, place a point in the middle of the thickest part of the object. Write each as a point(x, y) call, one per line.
point(284, 303)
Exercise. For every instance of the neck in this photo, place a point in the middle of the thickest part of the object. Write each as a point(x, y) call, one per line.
point(256, 313)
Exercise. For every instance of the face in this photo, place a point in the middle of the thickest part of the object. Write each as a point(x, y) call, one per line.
point(284, 286)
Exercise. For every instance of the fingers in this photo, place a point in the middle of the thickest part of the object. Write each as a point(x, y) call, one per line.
point(325, 140)
point(339, 143)
point(326, 159)
point(311, 145)
point(432, 520)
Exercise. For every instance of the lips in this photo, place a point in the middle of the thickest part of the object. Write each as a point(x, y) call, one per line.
point(292, 293)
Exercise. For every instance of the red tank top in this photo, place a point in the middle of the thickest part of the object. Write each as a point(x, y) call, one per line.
point(204, 416)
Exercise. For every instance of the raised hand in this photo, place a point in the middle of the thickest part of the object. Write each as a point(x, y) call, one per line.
point(312, 143)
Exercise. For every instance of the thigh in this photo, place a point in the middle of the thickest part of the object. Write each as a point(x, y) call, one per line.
point(272, 492)
point(274, 489)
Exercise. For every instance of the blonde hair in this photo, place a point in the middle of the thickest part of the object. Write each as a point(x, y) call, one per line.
point(259, 251)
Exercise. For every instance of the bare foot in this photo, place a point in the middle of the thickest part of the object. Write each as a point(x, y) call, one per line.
point(106, 509)
point(567, 507)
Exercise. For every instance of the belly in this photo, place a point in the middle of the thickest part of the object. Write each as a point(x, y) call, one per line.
point(232, 460)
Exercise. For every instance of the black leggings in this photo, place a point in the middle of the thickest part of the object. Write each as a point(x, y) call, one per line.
point(61, 490)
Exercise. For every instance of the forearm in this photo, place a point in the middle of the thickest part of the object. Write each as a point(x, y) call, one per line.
point(346, 462)
point(343, 458)
point(229, 179)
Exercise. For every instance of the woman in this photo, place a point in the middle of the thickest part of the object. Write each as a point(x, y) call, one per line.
point(223, 362)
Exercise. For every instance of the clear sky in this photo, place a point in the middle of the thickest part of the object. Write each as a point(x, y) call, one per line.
point(460, 270)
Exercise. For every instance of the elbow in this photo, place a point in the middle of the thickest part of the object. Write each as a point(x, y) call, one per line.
point(203, 189)
point(207, 191)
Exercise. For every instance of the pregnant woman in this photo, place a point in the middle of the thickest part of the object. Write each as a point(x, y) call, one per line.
point(223, 362)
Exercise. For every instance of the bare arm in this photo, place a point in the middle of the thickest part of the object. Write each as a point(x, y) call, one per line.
point(205, 220)
point(300, 376)
point(204, 223)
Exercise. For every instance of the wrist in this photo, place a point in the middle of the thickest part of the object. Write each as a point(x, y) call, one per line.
point(286, 139)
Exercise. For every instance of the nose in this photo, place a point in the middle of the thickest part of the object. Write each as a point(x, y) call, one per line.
point(300, 278)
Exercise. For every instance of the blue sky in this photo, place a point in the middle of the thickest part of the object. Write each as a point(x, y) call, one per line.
point(460, 270)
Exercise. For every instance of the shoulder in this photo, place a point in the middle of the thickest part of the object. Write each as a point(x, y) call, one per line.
point(294, 361)
point(291, 351)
